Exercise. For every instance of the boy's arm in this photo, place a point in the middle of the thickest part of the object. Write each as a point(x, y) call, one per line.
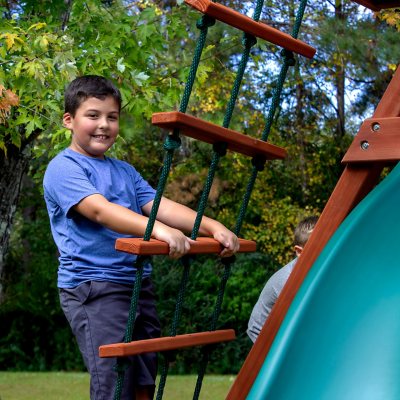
point(182, 218)
point(122, 220)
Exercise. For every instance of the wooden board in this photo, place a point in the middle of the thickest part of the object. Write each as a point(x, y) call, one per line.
point(211, 133)
point(377, 140)
point(248, 25)
point(376, 5)
point(166, 343)
point(203, 245)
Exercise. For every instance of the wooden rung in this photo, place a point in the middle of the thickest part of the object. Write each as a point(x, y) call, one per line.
point(203, 245)
point(211, 133)
point(166, 343)
point(377, 5)
point(248, 25)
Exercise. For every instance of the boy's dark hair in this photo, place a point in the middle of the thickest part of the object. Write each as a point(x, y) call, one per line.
point(303, 230)
point(83, 87)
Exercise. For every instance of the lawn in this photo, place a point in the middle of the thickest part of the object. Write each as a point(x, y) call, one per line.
point(74, 386)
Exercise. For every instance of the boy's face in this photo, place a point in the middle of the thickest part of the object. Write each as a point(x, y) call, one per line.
point(94, 127)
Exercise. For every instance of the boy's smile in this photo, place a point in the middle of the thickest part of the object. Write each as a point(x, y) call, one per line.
point(94, 127)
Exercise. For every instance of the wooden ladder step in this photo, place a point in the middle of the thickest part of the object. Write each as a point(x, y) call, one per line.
point(166, 343)
point(377, 5)
point(248, 25)
point(211, 133)
point(203, 245)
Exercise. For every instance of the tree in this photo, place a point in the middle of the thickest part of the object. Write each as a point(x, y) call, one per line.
point(45, 45)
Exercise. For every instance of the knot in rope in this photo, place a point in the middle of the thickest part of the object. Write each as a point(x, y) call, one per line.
point(288, 57)
point(258, 163)
point(172, 142)
point(205, 22)
point(220, 148)
point(248, 40)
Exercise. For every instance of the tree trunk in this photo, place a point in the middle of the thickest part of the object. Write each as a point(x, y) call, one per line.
point(12, 167)
point(340, 80)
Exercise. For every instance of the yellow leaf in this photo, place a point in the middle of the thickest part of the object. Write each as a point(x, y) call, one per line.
point(11, 40)
point(37, 26)
point(43, 43)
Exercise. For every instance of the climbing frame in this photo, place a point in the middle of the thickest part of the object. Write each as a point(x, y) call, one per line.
point(375, 146)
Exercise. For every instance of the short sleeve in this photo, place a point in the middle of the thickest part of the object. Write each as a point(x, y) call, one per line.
point(66, 184)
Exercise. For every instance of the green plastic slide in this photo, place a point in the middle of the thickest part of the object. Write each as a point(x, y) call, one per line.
point(340, 339)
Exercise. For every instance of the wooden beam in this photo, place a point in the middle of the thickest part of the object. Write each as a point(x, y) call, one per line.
point(211, 133)
point(166, 343)
point(203, 245)
point(376, 5)
point(355, 183)
point(248, 25)
point(377, 140)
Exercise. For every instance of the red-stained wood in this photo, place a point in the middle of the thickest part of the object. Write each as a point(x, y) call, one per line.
point(356, 182)
point(377, 140)
point(378, 5)
point(211, 133)
point(166, 343)
point(202, 245)
point(248, 25)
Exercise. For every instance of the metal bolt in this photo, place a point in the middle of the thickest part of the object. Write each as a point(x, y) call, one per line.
point(364, 145)
point(376, 126)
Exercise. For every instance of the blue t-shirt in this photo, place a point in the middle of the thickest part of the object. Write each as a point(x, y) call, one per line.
point(87, 248)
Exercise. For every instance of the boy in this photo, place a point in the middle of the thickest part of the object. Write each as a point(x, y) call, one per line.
point(275, 284)
point(91, 200)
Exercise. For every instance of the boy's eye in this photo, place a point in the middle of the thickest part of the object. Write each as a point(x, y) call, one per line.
point(112, 118)
point(92, 115)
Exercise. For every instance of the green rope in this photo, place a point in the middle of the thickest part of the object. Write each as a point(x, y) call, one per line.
point(177, 317)
point(202, 24)
point(122, 364)
point(258, 165)
point(172, 142)
point(288, 60)
point(248, 42)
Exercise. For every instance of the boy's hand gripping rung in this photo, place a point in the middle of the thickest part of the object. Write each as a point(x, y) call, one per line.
point(202, 245)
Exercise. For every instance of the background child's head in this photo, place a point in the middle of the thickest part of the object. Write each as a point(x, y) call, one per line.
point(302, 232)
point(84, 87)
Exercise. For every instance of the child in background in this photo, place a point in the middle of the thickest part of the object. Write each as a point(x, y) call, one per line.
point(275, 284)
point(92, 200)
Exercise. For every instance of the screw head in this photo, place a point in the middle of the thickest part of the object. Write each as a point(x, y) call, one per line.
point(376, 126)
point(364, 145)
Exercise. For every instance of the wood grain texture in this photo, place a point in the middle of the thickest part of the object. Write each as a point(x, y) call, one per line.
point(166, 343)
point(203, 245)
point(211, 133)
point(248, 25)
point(378, 5)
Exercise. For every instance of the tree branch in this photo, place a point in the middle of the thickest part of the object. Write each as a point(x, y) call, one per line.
point(66, 15)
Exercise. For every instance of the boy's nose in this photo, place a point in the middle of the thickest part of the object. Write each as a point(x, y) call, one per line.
point(103, 123)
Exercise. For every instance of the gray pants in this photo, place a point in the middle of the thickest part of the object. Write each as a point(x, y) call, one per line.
point(97, 313)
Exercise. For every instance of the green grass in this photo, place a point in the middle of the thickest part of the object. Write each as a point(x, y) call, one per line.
point(75, 386)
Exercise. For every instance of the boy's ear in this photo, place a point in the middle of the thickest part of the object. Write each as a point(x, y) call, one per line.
point(298, 250)
point(67, 120)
